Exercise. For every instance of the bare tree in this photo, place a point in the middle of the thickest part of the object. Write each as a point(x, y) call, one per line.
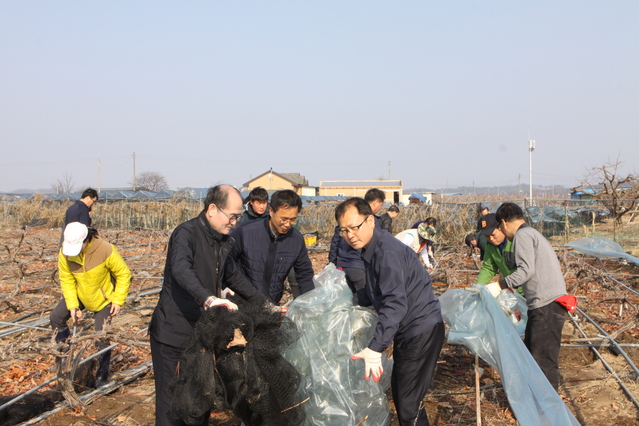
point(619, 193)
point(151, 181)
point(63, 185)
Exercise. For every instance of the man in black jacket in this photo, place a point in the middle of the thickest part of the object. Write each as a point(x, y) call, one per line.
point(386, 220)
point(400, 290)
point(267, 249)
point(257, 206)
point(196, 266)
point(79, 211)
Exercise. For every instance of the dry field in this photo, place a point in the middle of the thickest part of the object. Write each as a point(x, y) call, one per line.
point(29, 289)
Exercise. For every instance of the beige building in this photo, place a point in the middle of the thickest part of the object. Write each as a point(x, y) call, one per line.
point(357, 188)
point(273, 181)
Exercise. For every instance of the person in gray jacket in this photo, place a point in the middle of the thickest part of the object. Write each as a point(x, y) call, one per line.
point(539, 272)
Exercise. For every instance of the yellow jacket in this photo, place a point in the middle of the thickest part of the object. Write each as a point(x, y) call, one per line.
point(89, 277)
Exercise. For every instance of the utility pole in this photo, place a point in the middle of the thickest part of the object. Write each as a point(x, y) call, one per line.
point(519, 183)
point(389, 170)
point(134, 172)
point(99, 176)
point(531, 148)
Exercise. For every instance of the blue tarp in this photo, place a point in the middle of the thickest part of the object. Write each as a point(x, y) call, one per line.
point(478, 322)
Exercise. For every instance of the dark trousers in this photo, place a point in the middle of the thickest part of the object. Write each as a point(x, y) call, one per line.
point(355, 278)
point(165, 360)
point(414, 364)
point(60, 315)
point(543, 338)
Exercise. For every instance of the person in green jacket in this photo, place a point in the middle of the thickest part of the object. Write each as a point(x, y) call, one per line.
point(93, 276)
point(499, 257)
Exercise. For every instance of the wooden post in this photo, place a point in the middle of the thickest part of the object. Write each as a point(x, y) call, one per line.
point(477, 390)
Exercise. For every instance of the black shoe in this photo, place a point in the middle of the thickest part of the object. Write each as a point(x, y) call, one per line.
point(102, 376)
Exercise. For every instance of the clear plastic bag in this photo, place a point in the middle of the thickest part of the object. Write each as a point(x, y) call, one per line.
point(477, 321)
point(602, 248)
point(515, 308)
point(332, 329)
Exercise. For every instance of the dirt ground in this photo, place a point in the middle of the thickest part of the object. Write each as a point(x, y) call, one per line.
point(28, 286)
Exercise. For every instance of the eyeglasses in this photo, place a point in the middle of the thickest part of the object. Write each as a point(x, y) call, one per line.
point(232, 217)
point(289, 220)
point(353, 229)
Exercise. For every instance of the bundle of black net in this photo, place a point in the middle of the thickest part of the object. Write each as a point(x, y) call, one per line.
point(252, 379)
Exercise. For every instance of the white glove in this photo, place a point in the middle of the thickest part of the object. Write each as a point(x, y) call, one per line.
point(494, 288)
point(227, 292)
point(213, 301)
point(372, 363)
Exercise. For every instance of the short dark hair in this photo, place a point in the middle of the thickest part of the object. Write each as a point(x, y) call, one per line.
point(286, 198)
point(374, 194)
point(258, 194)
point(469, 239)
point(91, 234)
point(218, 195)
point(360, 204)
point(91, 193)
point(393, 208)
point(431, 221)
point(509, 212)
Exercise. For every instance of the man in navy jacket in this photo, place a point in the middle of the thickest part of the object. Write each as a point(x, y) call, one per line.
point(400, 290)
point(267, 249)
point(348, 259)
point(79, 211)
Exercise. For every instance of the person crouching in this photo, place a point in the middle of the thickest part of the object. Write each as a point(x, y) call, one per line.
point(88, 267)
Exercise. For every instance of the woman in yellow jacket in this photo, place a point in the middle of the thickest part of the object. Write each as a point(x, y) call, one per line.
point(93, 276)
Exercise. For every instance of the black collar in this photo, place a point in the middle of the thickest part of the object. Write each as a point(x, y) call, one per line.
point(208, 229)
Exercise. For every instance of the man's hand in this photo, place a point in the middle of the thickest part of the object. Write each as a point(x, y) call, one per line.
point(115, 309)
point(372, 363)
point(216, 301)
point(226, 292)
point(494, 288)
point(76, 315)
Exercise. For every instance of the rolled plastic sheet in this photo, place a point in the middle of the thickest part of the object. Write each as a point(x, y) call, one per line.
point(601, 248)
point(331, 330)
point(478, 321)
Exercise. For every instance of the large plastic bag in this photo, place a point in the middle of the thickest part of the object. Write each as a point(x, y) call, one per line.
point(515, 307)
point(477, 321)
point(332, 329)
point(602, 248)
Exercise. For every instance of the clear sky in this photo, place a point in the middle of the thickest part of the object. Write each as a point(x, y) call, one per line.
point(221, 91)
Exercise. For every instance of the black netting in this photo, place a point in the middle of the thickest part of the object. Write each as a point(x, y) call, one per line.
point(253, 380)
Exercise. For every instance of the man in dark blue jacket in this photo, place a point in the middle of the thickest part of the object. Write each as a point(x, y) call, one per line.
point(79, 211)
point(267, 249)
point(349, 260)
point(400, 290)
point(345, 257)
